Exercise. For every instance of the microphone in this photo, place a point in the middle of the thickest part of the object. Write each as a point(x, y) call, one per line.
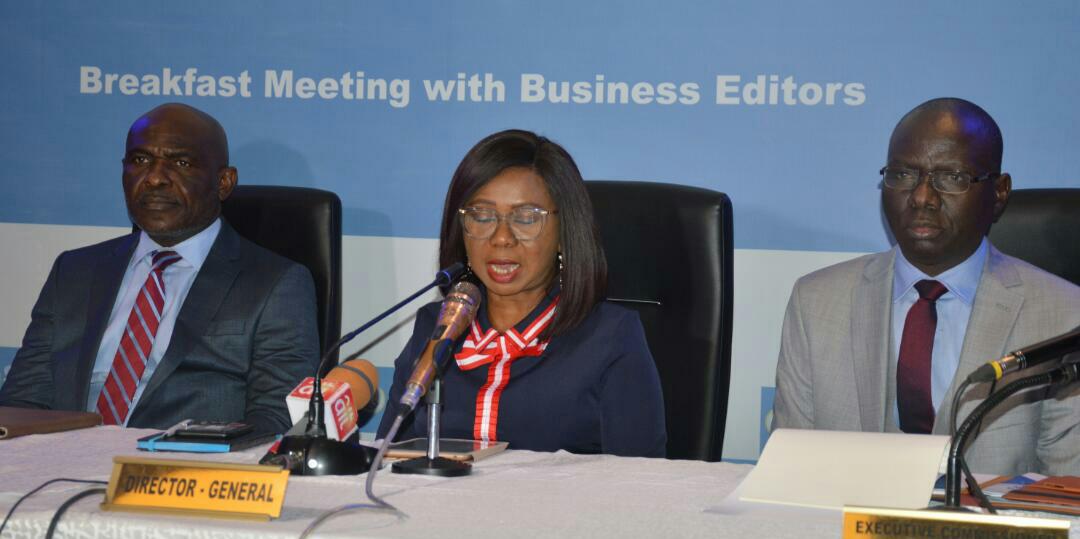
point(316, 408)
point(347, 388)
point(457, 312)
point(1064, 374)
point(1029, 356)
point(313, 453)
point(362, 378)
point(443, 278)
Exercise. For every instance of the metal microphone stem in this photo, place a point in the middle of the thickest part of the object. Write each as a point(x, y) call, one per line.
point(434, 400)
point(432, 463)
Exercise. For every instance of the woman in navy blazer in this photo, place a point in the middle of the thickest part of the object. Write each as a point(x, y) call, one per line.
point(547, 364)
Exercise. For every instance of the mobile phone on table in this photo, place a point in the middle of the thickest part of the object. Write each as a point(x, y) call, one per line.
point(216, 430)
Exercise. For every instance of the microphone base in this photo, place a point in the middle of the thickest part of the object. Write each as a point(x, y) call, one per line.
point(439, 466)
point(306, 455)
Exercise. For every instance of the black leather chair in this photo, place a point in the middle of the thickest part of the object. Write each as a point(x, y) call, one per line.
point(669, 252)
point(1042, 226)
point(303, 225)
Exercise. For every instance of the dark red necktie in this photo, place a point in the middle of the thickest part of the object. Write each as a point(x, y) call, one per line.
point(913, 396)
point(114, 403)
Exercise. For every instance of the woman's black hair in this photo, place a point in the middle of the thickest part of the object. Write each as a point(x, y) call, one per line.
point(584, 272)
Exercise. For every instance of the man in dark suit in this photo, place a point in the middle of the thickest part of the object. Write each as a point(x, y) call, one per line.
point(184, 319)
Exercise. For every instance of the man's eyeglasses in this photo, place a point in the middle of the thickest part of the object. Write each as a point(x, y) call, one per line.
point(526, 223)
point(953, 182)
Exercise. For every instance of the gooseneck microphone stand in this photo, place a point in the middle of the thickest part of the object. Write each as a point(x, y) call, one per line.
point(313, 453)
point(1068, 373)
point(316, 407)
point(432, 463)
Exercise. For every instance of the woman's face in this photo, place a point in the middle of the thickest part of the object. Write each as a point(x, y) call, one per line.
point(510, 267)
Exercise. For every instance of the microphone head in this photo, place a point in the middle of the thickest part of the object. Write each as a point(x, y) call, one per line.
point(466, 289)
point(458, 310)
point(447, 275)
point(362, 377)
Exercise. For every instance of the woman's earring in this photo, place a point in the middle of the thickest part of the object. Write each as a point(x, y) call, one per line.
point(560, 268)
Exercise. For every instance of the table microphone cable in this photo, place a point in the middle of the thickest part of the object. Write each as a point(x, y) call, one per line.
point(68, 503)
point(38, 489)
point(377, 502)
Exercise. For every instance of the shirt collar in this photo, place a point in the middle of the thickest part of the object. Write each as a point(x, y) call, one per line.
point(520, 327)
point(961, 279)
point(193, 250)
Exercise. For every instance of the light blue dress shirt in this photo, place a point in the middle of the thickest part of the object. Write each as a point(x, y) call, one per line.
point(178, 279)
point(953, 312)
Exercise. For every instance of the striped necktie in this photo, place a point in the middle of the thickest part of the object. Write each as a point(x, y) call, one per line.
point(114, 403)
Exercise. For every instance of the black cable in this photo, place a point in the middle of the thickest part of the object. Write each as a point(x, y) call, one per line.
point(64, 507)
point(38, 488)
point(975, 489)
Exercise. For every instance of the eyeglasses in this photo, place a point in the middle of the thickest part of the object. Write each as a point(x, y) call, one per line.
point(953, 182)
point(526, 223)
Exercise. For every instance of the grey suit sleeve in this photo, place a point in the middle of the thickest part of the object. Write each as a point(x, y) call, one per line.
point(29, 383)
point(793, 404)
point(1058, 449)
point(285, 349)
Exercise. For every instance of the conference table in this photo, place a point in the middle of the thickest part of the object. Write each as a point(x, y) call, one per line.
point(511, 494)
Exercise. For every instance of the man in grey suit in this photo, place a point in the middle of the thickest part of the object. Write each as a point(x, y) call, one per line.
point(881, 342)
point(182, 320)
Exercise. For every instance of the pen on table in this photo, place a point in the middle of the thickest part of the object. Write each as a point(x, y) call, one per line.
point(171, 430)
point(183, 424)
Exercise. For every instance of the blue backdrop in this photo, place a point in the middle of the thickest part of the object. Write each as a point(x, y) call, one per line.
point(785, 106)
point(801, 176)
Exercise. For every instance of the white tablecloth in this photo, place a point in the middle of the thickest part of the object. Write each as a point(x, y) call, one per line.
point(515, 494)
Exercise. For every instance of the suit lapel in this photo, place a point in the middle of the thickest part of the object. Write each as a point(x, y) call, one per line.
point(997, 305)
point(871, 307)
point(203, 300)
point(105, 282)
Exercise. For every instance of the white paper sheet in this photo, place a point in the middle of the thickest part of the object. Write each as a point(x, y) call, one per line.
point(831, 469)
